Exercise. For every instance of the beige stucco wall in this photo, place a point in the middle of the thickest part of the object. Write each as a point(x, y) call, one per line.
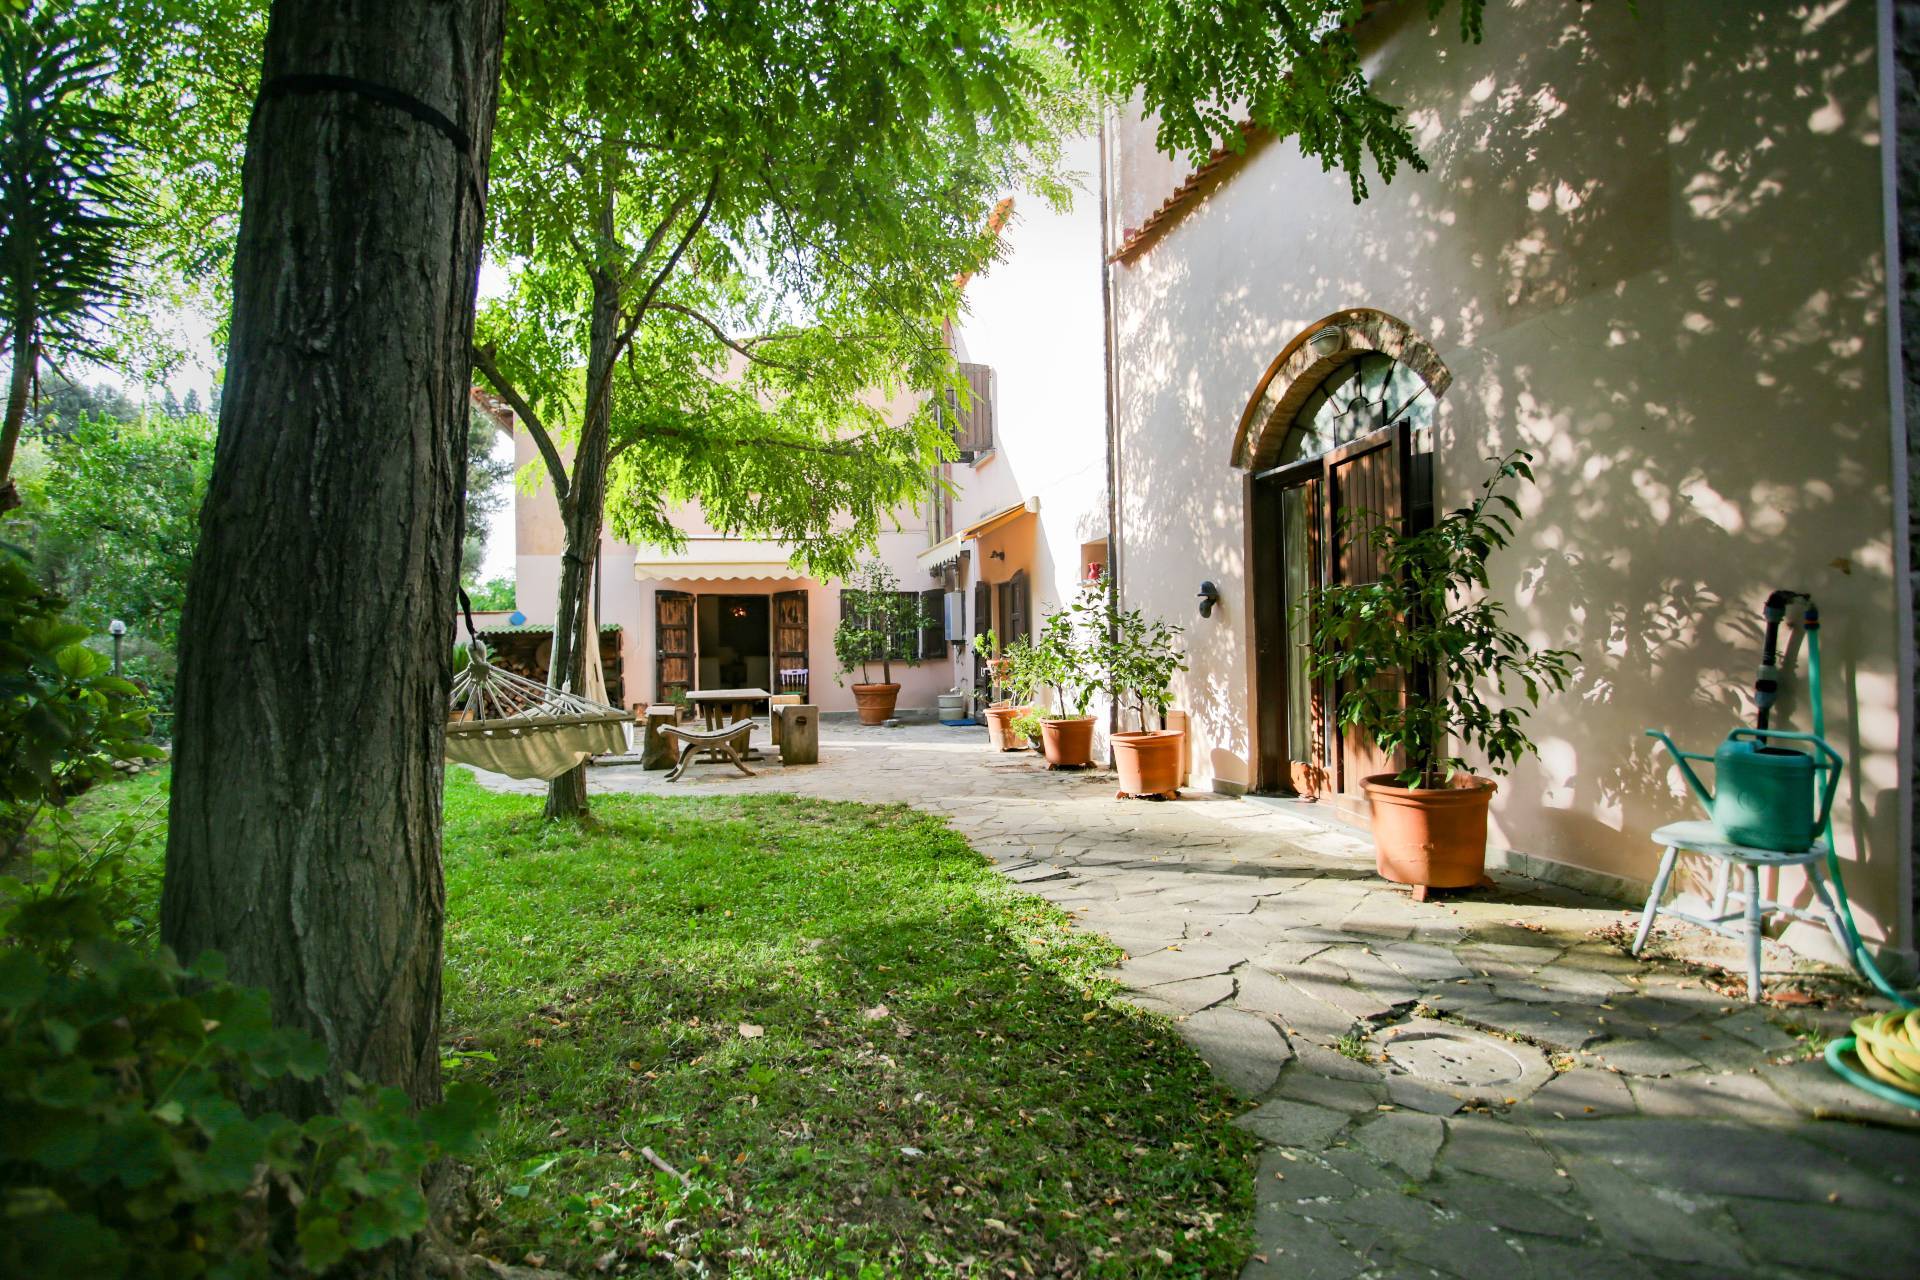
point(1650, 249)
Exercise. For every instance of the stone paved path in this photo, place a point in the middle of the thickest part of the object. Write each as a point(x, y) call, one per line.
point(1480, 1086)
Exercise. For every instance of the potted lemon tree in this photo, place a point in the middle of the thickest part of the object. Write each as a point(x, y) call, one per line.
point(879, 625)
point(1140, 657)
point(1416, 657)
point(1059, 661)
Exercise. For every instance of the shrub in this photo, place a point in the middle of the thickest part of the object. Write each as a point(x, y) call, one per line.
point(64, 719)
point(126, 1151)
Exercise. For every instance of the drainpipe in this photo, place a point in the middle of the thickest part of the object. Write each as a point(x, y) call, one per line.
point(1113, 439)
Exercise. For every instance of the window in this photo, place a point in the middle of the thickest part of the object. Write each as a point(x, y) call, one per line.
point(910, 640)
point(969, 415)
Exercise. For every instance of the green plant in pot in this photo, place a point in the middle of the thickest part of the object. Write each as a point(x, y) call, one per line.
point(1061, 661)
point(1003, 719)
point(879, 625)
point(1427, 669)
point(1140, 656)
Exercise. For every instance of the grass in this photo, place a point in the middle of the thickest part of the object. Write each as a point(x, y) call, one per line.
point(860, 1050)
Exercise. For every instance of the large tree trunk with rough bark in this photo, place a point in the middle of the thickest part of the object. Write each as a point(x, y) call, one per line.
point(582, 516)
point(315, 644)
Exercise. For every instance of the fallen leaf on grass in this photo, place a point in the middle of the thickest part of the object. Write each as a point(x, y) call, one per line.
point(876, 1013)
point(750, 1032)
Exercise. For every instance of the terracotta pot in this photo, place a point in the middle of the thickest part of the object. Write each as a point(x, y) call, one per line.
point(1000, 731)
point(1068, 743)
point(1435, 838)
point(1149, 762)
point(875, 702)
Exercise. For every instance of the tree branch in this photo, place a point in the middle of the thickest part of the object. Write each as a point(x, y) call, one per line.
point(744, 348)
point(646, 299)
point(483, 360)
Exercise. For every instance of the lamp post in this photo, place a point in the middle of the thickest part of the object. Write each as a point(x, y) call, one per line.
point(118, 630)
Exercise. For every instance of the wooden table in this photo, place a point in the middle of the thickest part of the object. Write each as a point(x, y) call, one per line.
point(736, 704)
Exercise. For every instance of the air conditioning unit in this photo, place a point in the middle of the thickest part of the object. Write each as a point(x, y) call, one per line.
point(956, 612)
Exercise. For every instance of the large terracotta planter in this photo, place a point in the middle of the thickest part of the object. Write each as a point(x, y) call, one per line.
point(1149, 762)
point(1068, 743)
point(1430, 838)
point(875, 702)
point(1001, 735)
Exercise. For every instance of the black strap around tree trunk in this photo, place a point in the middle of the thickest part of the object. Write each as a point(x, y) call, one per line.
point(322, 82)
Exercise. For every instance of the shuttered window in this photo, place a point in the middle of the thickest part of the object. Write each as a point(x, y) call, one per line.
point(908, 641)
point(933, 624)
point(969, 414)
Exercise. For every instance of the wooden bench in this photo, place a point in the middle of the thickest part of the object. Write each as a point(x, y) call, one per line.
point(728, 743)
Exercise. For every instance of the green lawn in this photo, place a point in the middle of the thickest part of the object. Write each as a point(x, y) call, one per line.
point(865, 1051)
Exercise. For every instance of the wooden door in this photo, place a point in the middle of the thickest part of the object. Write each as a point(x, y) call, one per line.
point(791, 672)
point(1365, 486)
point(672, 644)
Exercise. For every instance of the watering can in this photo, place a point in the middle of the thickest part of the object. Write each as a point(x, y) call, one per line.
point(1765, 797)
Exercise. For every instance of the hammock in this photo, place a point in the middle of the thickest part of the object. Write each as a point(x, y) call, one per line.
point(506, 723)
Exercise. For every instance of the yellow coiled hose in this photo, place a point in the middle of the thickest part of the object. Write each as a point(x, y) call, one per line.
point(1887, 1045)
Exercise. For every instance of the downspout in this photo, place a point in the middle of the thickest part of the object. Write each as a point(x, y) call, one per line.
point(1895, 133)
point(1113, 439)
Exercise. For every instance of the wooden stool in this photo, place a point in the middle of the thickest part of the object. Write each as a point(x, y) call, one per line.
point(800, 737)
point(727, 744)
point(774, 704)
point(1706, 839)
point(655, 751)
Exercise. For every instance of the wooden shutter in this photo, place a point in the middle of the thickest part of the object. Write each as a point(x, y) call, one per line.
point(791, 672)
point(933, 623)
point(970, 414)
point(1019, 616)
point(982, 608)
point(672, 644)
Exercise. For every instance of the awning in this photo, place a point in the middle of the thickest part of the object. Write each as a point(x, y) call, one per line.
point(717, 558)
point(999, 520)
point(941, 554)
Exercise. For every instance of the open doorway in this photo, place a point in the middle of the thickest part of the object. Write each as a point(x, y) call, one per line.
point(736, 642)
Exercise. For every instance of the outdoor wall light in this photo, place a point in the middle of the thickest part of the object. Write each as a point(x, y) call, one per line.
point(1209, 596)
point(1326, 341)
point(996, 555)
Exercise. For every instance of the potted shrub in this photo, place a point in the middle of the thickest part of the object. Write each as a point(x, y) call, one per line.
point(879, 624)
point(1429, 622)
point(1000, 714)
point(1140, 658)
point(1061, 660)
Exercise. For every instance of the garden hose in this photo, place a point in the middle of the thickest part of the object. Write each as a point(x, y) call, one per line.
point(1886, 1045)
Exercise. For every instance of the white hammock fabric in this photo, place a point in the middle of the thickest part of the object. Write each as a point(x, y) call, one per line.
point(509, 724)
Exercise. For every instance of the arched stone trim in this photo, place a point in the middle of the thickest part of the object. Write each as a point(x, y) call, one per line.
point(1304, 363)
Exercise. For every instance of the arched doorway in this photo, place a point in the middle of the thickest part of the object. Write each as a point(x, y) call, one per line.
point(1339, 430)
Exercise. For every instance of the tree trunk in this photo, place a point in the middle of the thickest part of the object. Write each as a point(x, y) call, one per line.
point(24, 358)
point(582, 515)
point(315, 642)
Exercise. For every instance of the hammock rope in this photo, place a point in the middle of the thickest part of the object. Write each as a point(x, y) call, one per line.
point(506, 723)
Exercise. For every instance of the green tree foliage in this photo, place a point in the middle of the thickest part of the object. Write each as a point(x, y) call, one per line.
point(1291, 67)
point(1429, 615)
point(64, 718)
point(487, 495)
point(63, 197)
point(115, 513)
point(494, 594)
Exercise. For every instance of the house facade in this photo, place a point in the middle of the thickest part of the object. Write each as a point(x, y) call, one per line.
point(1652, 250)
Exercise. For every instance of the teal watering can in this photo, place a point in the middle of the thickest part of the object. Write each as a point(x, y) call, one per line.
point(1765, 797)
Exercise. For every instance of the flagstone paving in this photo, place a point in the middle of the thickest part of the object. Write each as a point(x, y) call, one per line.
point(1480, 1085)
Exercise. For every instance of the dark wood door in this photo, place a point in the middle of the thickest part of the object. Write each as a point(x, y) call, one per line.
point(791, 672)
point(1365, 487)
point(672, 644)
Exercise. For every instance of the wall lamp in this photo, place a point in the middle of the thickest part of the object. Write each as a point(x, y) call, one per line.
point(1209, 597)
point(996, 555)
